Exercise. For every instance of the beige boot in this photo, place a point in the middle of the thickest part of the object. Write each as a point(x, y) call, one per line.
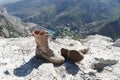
point(73, 55)
point(42, 49)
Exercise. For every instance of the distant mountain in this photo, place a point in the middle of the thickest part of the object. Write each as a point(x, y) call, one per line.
point(108, 27)
point(73, 14)
point(11, 26)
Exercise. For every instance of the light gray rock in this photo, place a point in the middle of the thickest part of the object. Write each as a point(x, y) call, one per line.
point(17, 57)
point(100, 37)
point(117, 43)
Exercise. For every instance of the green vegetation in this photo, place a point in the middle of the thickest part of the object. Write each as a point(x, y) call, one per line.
point(49, 9)
point(84, 16)
point(7, 29)
point(72, 34)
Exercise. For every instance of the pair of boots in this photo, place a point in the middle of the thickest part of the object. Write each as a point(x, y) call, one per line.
point(43, 50)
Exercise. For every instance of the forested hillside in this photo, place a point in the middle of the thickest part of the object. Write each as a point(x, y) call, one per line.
point(73, 14)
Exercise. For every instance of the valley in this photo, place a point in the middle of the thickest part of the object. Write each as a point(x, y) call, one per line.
point(83, 17)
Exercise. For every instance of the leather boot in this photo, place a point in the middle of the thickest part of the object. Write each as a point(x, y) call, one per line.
point(43, 50)
point(73, 55)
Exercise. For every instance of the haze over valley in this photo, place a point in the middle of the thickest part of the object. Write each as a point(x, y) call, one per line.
point(81, 17)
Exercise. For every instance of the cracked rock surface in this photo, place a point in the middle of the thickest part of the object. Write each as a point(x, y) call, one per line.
point(17, 61)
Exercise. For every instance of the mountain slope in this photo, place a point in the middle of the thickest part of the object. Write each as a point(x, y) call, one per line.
point(59, 14)
point(109, 27)
point(7, 28)
point(11, 26)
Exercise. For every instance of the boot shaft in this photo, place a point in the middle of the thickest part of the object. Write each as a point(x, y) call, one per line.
point(41, 38)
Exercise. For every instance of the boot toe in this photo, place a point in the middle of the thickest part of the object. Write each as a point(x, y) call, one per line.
point(75, 56)
point(57, 59)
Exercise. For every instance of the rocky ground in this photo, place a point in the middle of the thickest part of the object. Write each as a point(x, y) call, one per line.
point(17, 61)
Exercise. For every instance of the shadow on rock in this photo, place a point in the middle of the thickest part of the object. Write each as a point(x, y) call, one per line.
point(27, 68)
point(71, 67)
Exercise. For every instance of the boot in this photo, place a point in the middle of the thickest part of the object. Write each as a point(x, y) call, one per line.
point(73, 55)
point(43, 50)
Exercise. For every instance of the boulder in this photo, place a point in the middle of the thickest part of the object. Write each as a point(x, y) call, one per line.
point(100, 37)
point(103, 63)
point(116, 43)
